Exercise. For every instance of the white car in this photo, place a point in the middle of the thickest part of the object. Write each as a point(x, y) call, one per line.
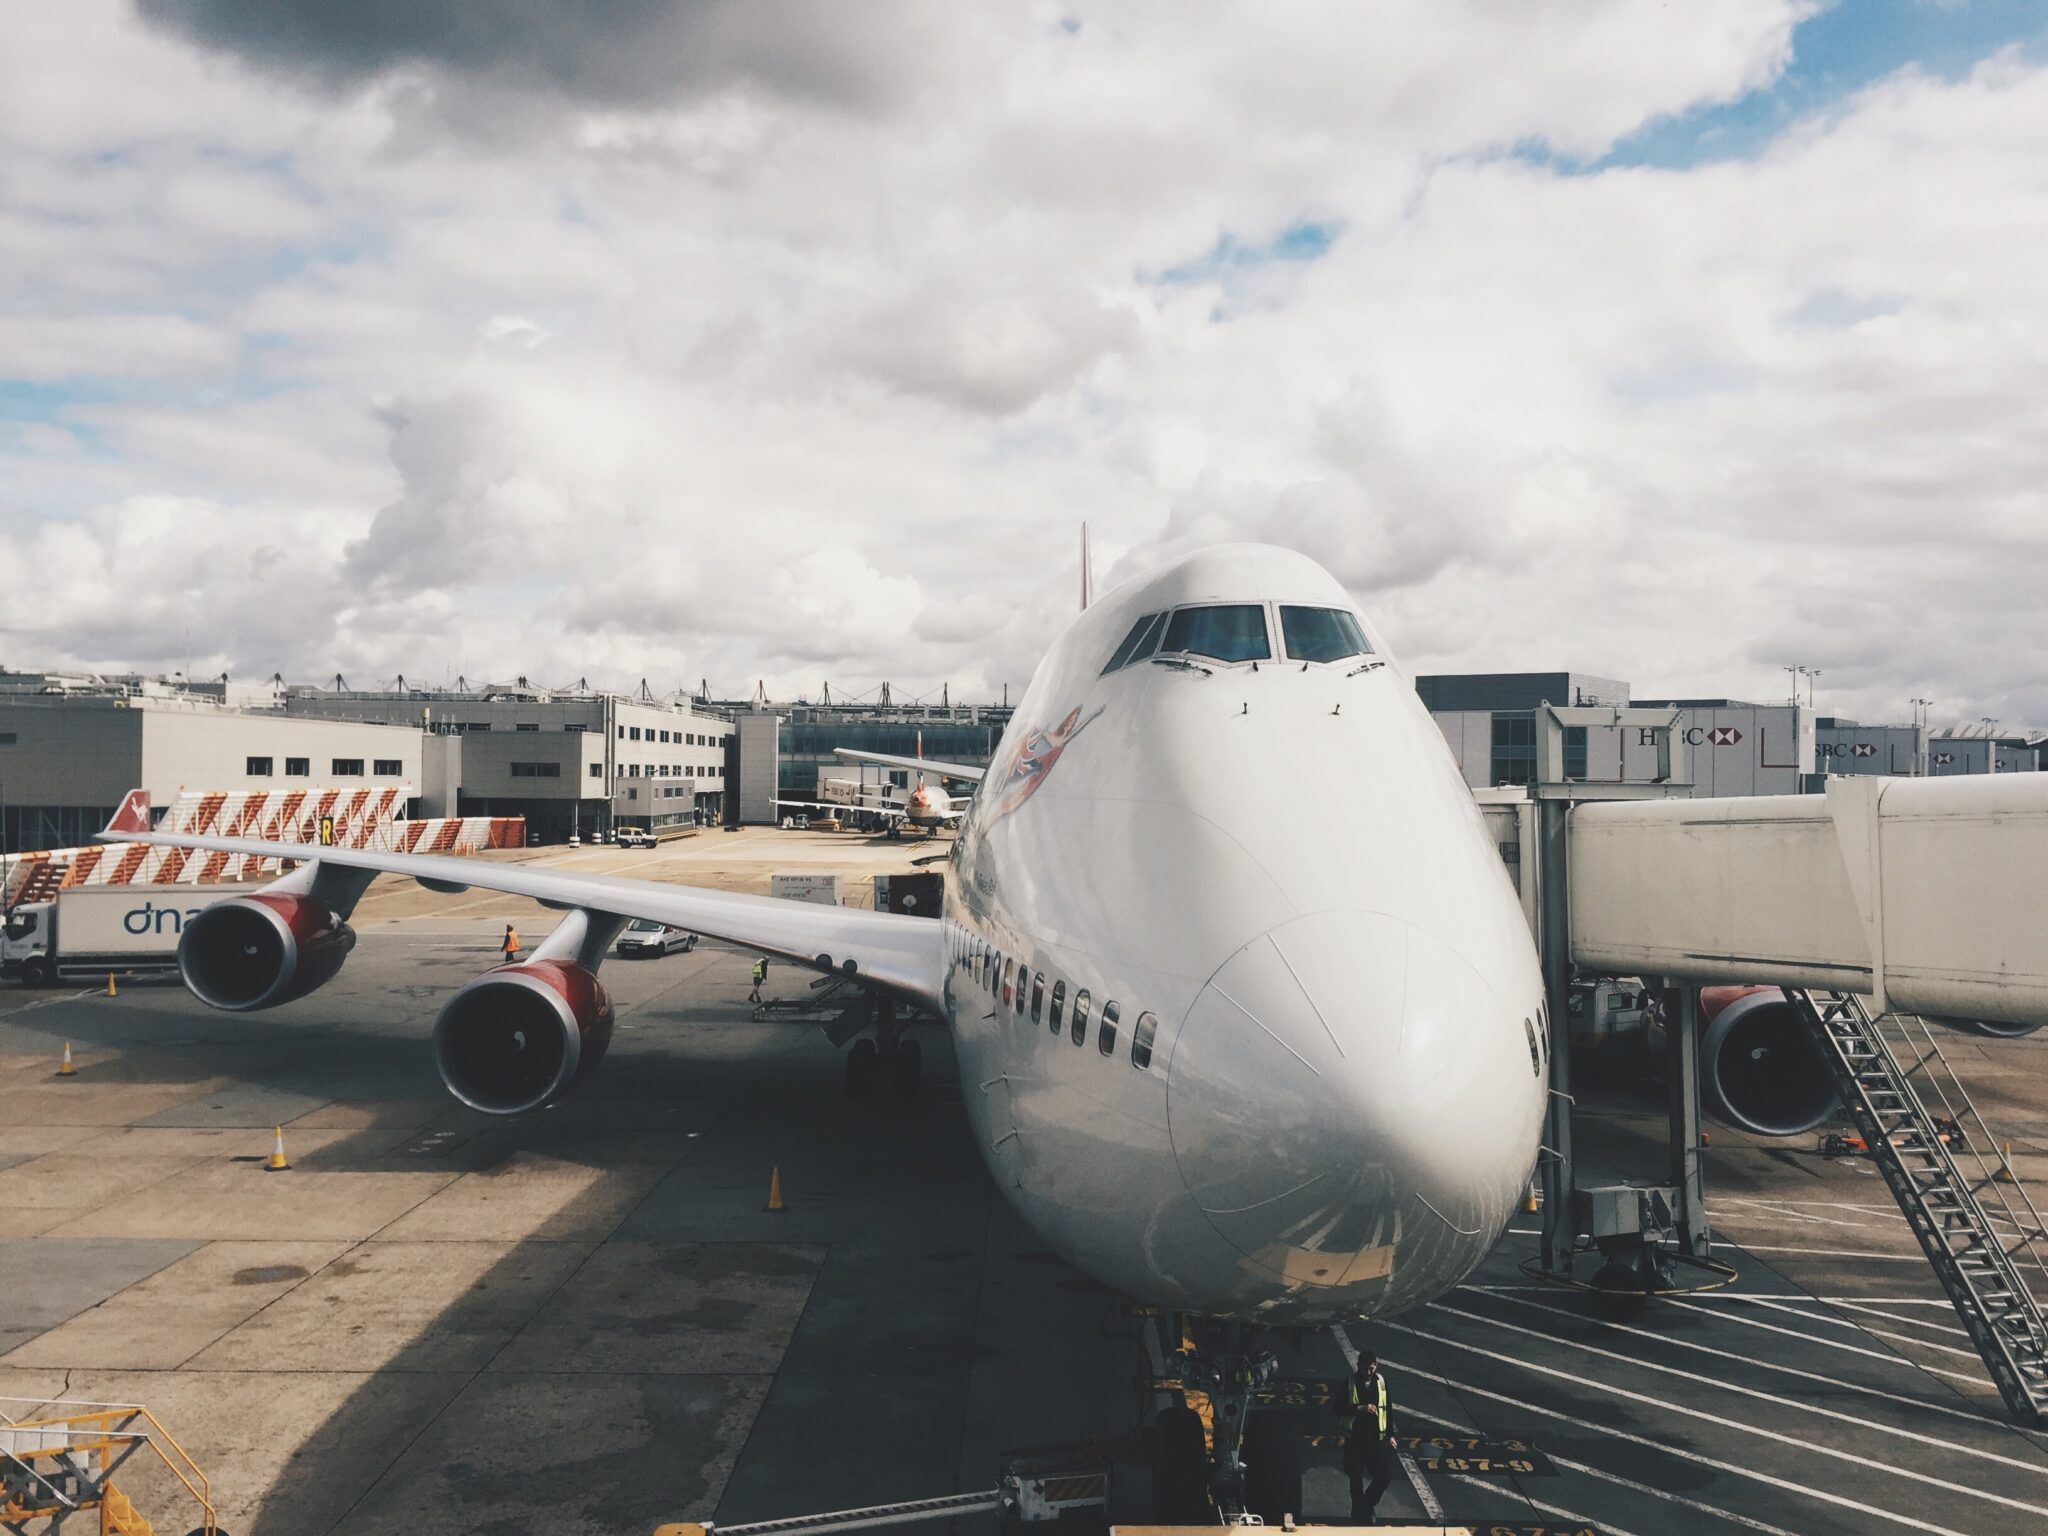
point(634, 837)
point(645, 937)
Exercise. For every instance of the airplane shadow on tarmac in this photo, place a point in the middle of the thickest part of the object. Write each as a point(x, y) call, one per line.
point(582, 1318)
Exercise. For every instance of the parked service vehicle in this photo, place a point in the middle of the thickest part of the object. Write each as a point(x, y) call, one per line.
point(89, 930)
point(644, 937)
point(634, 837)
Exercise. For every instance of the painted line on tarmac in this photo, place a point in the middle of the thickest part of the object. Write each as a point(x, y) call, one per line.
point(1607, 1527)
point(2039, 1468)
point(1665, 1341)
point(1975, 1378)
point(1898, 1317)
point(1771, 1208)
point(1665, 1405)
point(1834, 1253)
point(1607, 1477)
point(1783, 1484)
point(1876, 1333)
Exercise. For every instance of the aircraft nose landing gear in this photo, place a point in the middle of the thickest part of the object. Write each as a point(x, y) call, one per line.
point(1252, 1462)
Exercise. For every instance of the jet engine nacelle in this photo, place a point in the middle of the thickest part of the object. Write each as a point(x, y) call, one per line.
point(259, 950)
point(520, 1037)
point(1759, 1066)
point(1990, 1028)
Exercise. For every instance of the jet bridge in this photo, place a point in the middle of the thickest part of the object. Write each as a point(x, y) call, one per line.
point(1913, 893)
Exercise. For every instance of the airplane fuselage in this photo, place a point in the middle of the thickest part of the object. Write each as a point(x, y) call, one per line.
point(1337, 1087)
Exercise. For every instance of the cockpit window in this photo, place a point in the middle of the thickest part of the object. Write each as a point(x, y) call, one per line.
point(1148, 642)
point(1134, 642)
point(1226, 632)
point(1322, 634)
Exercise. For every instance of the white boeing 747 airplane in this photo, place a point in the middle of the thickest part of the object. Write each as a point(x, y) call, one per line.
point(1225, 1057)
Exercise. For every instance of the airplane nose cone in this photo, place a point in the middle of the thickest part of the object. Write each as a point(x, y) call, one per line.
point(1350, 1102)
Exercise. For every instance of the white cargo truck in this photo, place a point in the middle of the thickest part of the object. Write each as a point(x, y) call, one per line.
point(90, 930)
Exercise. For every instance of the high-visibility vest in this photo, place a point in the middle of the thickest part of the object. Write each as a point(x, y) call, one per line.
point(511, 940)
point(760, 970)
point(1355, 1403)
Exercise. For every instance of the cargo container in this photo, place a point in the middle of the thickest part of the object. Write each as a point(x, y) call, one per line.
point(823, 889)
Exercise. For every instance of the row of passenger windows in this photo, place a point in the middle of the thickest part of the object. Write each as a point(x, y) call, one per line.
point(1025, 992)
point(1237, 632)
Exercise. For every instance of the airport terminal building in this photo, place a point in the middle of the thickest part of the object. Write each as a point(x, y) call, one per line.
point(67, 758)
point(586, 763)
point(580, 761)
point(1720, 746)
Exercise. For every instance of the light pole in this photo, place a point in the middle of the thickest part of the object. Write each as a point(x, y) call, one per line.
point(1795, 671)
point(1923, 718)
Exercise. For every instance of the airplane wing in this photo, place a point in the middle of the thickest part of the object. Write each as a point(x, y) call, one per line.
point(929, 765)
point(904, 954)
point(871, 807)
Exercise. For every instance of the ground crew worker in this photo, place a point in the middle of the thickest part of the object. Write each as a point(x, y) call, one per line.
point(760, 975)
point(511, 944)
point(1368, 1444)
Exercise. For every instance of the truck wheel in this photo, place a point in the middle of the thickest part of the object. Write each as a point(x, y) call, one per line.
point(36, 973)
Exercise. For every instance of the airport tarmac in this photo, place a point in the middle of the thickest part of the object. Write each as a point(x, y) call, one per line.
point(583, 1320)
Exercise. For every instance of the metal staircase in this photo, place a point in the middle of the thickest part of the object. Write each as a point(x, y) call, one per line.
point(1980, 1235)
point(57, 1467)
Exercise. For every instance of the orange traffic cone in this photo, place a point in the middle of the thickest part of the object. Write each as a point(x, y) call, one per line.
point(775, 1205)
point(110, 985)
point(64, 1067)
point(277, 1164)
point(2004, 1174)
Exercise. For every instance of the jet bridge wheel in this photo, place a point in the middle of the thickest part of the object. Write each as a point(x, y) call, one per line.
point(1180, 1469)
point(1272, 1466)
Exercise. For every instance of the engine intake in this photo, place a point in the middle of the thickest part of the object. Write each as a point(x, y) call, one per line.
point(1759, 1067)
point(260, 950)
point(520, 1037)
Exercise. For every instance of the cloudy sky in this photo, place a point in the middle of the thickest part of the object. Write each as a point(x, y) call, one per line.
point(746, 339)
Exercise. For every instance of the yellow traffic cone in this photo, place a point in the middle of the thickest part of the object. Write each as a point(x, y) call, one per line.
point(2004, 1174)
point(277, 1164)
point(110, 985)
point(775, 1205)
point(64, 1067)
point(1529, 1200)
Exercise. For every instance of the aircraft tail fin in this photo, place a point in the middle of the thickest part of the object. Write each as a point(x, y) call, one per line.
point(133, 816)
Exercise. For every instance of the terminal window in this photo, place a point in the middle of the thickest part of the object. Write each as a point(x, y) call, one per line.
point(523, 725)
point(597, 770)
point(257, 768)
point(536, 770)
point(348, 768)
point(389, 767)
point(1514, 748)
point(298, 767)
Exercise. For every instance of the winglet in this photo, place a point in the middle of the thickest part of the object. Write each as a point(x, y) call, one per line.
point(133, 816)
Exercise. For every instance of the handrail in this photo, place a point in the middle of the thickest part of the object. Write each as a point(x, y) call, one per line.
point(99, 1434)
point(2029, 1238)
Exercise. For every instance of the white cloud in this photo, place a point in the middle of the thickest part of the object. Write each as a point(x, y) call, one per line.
point(846, 329)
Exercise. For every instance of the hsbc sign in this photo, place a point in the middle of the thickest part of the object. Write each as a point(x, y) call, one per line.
point(1698, 736)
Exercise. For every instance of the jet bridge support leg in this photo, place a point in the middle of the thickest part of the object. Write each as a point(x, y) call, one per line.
point(1554, 937)
point(1682, 1083)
